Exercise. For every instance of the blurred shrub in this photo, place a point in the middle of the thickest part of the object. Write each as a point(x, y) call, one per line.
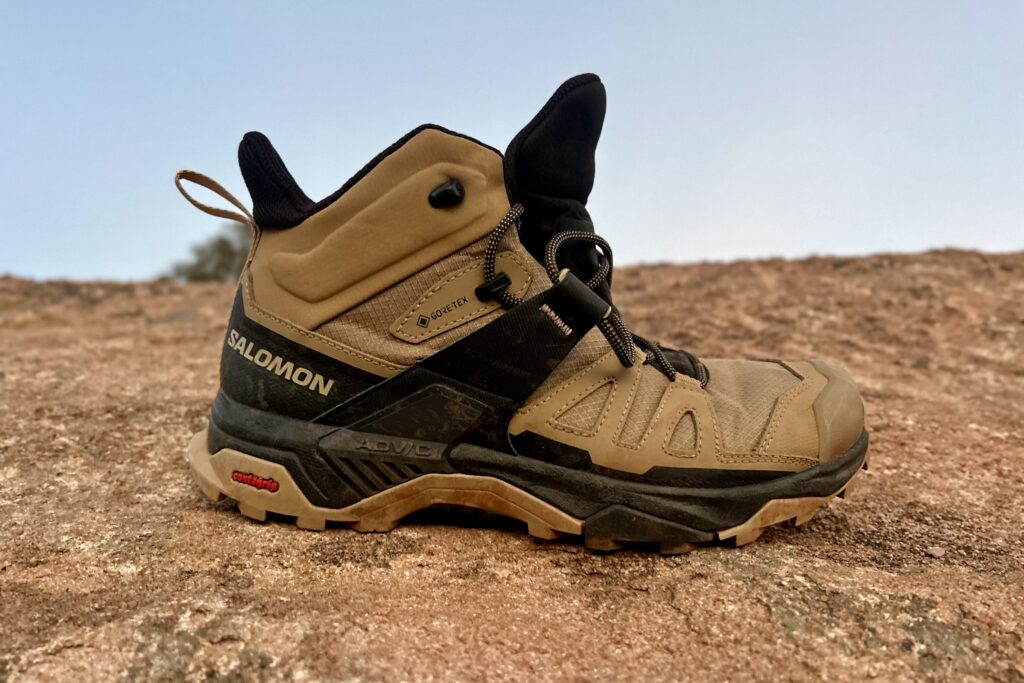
point(218, 259)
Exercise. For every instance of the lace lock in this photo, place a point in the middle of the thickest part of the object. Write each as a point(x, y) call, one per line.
point(490, 290)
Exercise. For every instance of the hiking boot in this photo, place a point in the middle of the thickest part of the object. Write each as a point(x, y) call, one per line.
point(441, 330)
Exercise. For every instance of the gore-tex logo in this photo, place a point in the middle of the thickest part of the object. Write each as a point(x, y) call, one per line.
point(255, 481)
point(439, 313)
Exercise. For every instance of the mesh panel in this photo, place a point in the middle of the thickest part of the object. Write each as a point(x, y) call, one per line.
point(743, 393)
point(584, 415)
point(684, 437)
point(645, 404)
point(365, 327)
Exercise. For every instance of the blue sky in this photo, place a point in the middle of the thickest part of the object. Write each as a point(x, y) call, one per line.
point(734, 130)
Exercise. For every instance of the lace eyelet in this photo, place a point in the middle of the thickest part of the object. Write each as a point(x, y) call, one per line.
point(492, 289)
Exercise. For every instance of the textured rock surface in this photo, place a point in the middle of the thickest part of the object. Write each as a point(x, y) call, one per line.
point(111, 563)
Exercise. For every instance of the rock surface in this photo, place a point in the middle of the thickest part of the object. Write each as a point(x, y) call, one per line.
point(113, 565)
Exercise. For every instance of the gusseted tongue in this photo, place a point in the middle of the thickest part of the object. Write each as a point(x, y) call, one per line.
point(549, 169)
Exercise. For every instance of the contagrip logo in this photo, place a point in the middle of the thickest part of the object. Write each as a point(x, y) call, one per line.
point(303, 377)
point(255, 481)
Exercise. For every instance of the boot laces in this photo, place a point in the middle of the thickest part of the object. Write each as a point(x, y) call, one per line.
point(623, 342)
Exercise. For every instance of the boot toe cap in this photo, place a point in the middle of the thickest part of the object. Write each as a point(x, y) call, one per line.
point(838, 411)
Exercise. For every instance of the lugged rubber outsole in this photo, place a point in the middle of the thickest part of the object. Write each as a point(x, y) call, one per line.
point(259, 487)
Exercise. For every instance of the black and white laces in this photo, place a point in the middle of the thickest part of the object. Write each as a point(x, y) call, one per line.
point(623, 342)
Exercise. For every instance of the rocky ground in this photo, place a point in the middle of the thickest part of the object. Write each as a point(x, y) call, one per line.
point(113, 566)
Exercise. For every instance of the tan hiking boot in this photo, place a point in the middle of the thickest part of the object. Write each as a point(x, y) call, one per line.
point(440, 330)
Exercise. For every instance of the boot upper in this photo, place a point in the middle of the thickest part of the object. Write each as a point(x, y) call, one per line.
point(380, 279)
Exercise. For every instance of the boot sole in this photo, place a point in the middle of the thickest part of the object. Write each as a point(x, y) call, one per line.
point(260, 487)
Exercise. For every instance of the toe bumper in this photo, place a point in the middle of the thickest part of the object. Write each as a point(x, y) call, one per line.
point(838, 411)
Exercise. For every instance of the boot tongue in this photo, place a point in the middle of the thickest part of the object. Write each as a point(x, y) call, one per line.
point(549, 169)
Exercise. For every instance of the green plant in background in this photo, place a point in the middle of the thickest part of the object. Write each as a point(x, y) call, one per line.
point(219, 259)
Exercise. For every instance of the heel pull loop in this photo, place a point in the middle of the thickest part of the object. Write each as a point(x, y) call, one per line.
point(215, 187)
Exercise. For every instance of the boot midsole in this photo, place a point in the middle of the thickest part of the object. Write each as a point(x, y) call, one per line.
point(335, 467)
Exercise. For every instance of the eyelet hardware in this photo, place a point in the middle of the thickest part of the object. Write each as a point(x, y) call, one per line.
point(448, 194)
point(490, 290)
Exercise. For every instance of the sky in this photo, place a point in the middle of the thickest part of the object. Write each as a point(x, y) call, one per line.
point(734, 130)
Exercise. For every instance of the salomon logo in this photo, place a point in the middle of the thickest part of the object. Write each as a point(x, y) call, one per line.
point(255, 481)
point(303, 377)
